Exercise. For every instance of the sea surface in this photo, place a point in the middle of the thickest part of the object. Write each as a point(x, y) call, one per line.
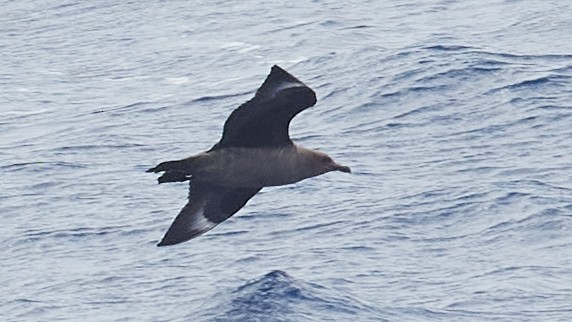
point(455, 117)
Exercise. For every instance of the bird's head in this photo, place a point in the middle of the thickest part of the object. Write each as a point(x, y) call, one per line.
point(324, 163)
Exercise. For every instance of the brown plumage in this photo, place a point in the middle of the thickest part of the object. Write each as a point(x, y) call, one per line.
point(255, 151)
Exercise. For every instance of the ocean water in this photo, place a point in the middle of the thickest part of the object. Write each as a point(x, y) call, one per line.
point(455, 116)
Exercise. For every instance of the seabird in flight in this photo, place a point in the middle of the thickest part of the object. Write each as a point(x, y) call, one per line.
point(255, 151)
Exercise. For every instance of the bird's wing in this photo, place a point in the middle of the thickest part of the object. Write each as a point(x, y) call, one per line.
point(263, 121)
point(208, 206)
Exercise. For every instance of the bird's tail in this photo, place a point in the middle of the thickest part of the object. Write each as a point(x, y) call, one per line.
point(175, 171)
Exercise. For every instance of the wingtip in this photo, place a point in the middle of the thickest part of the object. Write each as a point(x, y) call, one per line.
point(166, 241)
point(162, 244)
point(280, 80)
point(174, 239)
point(284, 74)
point(276, 67)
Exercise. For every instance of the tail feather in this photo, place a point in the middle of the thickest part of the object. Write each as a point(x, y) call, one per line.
point(166, 166)
point(173, 176)
point(175, 171)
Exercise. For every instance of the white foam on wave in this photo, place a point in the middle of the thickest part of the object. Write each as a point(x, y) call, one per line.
point(177, 80)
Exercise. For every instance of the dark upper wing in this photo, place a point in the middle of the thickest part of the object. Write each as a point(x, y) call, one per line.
point(264, 120)
point(208, 206)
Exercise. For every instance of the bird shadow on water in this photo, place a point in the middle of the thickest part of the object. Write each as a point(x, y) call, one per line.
point(278, 296)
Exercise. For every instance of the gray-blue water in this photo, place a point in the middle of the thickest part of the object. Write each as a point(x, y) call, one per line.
point(455, 116)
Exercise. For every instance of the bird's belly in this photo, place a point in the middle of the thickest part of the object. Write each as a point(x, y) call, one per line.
point(242, 167)
point(256, 176)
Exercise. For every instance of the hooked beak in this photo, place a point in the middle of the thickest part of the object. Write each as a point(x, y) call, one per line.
point(342, 168)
